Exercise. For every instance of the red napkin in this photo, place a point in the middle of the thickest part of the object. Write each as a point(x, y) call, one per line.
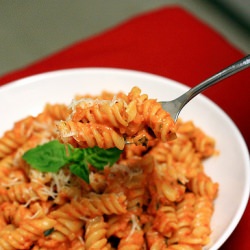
point(173, 43)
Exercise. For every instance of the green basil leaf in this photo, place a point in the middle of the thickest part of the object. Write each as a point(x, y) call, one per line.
point(49, 157)
point(48, 232)
point(99, 157)
point(81, 171)
point(77, 155)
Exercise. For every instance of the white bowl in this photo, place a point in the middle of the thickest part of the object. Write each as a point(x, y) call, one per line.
point(231, 169)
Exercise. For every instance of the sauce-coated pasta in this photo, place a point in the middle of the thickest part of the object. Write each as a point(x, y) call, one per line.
point(156, 196)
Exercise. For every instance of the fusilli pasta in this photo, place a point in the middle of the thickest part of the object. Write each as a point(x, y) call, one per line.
point(156, 196)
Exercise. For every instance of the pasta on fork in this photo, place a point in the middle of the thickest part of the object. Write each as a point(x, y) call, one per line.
point(111, 123)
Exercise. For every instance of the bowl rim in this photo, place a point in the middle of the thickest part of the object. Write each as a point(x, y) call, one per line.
point(55, 73)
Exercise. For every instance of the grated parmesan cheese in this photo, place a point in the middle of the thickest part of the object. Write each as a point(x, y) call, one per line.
point(125, 170)
point(89, 102)
point(135, 226)
point(60, 179)
point(31, 200)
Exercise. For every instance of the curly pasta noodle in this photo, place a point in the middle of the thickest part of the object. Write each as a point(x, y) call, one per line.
point(56, 111)
point(96, 234)
point(156, 196)
point(165, 221)
point(90, 135)
point(202, 185)
point(22, 193)
point(106, 123)
point(14, 138)
point(155, 240)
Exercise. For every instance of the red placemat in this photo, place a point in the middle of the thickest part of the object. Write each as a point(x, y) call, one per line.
point(169, 42)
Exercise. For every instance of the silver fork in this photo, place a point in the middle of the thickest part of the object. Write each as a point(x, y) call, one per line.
point(175, 106)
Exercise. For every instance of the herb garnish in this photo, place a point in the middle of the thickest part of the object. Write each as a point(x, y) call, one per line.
point(52, 156)
point(48, 232)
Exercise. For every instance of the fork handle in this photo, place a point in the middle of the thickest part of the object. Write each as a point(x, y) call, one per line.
point(230, 70)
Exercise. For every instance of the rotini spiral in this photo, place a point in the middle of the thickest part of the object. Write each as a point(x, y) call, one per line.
point(96, 234)
point(14, 138)
point(56, 111)
point(118, 225)
point(23, 193)
point(94, 205)
point(203, 185)
point(201, 224)
point(105, 123)
point(157, 196)
point(90, 135)
point(166, 221)
point(112, 114)
point(167, 185)
point(134, 241)
point(24, 236)
point(158, 120)
point(155, 240)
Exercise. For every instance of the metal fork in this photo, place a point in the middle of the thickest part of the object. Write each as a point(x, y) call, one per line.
point(175, 106)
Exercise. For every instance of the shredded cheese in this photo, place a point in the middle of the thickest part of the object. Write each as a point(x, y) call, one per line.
point(12, 182)
point(135, 226)
point(89, 102)
point(31, 200)
point(60, 179)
